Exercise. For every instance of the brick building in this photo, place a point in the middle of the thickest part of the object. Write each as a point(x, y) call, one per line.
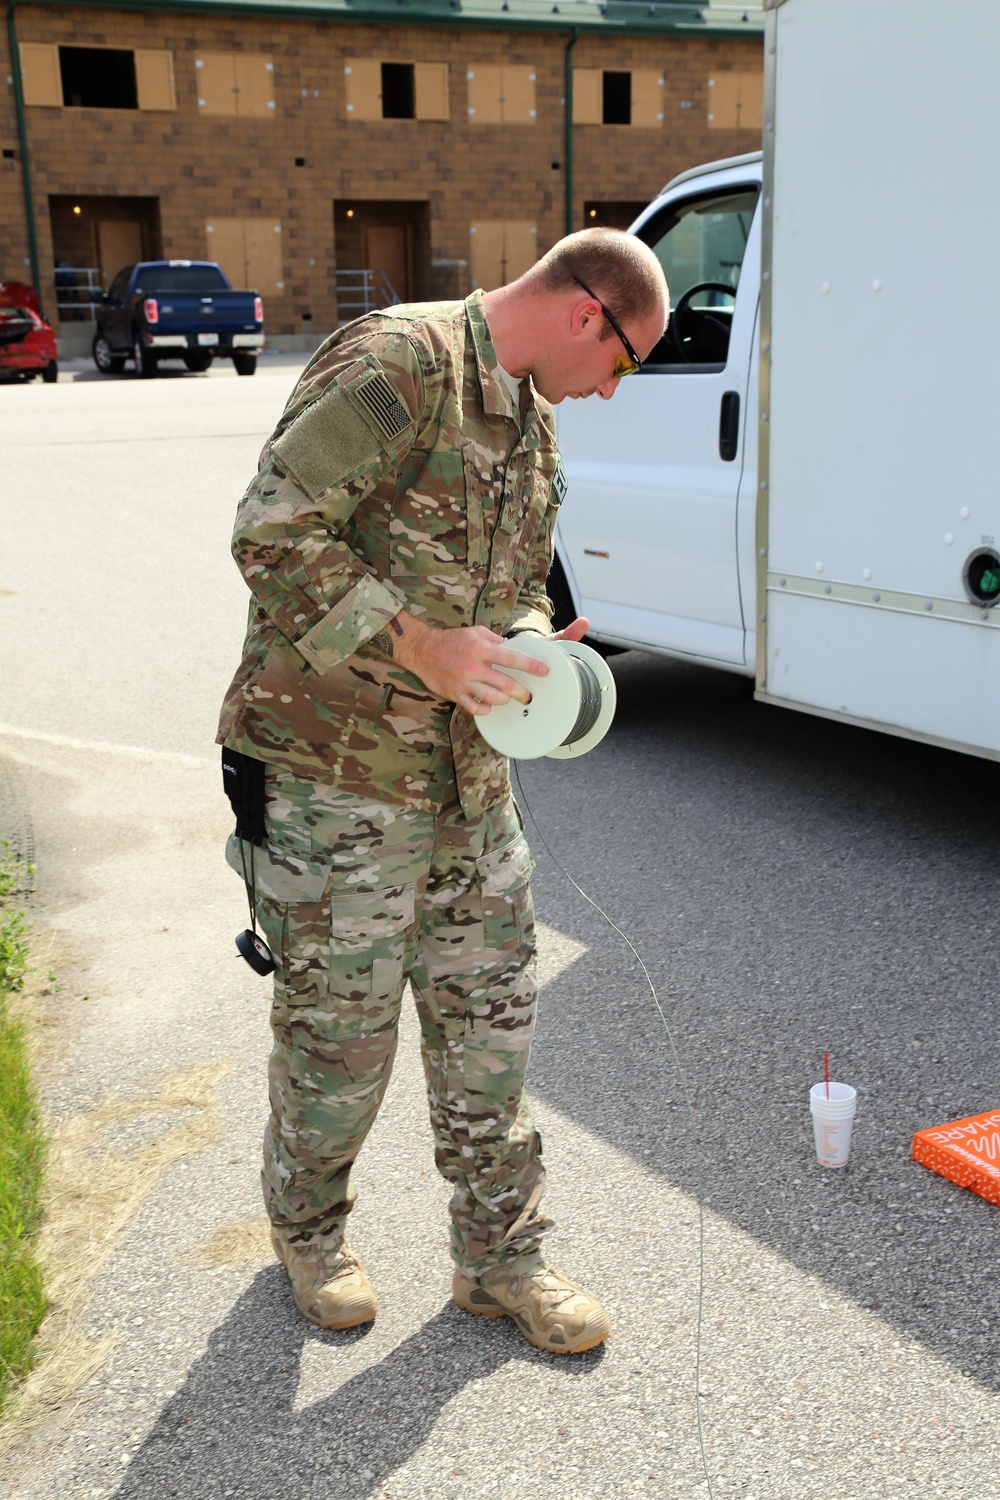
point(326, 152)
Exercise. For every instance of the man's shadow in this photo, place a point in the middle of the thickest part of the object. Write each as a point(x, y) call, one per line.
point(232, 1428)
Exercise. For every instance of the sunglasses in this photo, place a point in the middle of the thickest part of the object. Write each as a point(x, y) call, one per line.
point(628, 363)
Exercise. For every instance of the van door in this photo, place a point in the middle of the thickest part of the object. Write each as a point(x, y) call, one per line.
point(649, 526)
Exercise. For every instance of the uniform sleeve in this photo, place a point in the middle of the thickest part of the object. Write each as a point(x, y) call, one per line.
point(533, 610)
point(358, 421)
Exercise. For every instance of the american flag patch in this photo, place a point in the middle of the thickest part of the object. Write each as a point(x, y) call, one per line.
point(380, 400)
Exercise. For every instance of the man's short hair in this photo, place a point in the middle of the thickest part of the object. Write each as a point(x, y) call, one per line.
point(617, 267)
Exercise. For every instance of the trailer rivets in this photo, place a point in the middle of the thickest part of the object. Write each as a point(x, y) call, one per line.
point(929, 604)
point(763, 416)
point(783, 582)
point(876, 597)
point(964, 513)
point(762, 618)
point(825, 288)
point(763, 484)
point(948, 538)
point(984, 614)
point(819, 567)
point(876, 285)
point(866, 572)
point(763, 551)
point(828, 589)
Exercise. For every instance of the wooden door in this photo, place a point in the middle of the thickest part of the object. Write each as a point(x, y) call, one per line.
point(119, 243)
point(387, 249)
point(226, 246)
point(264, 260)
point(487, 246)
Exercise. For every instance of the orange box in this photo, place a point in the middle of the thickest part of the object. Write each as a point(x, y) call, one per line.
point(966, 1151)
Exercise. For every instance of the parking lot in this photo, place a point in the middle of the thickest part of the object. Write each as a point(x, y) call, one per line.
point(793, 886)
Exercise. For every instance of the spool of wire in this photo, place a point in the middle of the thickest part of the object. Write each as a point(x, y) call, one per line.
point(571, 708)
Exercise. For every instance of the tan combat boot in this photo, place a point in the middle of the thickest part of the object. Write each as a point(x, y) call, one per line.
point(550, 1311)
point(333, 1294)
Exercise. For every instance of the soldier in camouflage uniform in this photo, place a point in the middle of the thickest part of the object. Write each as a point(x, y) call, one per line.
point(399, 527)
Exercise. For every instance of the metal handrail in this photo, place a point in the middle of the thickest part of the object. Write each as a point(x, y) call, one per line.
point(78, 290)
point(363, 291)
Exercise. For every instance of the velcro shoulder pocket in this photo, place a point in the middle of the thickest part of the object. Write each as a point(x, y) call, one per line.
point(357, 422)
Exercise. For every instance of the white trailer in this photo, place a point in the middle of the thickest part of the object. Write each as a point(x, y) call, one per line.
point(803, 483)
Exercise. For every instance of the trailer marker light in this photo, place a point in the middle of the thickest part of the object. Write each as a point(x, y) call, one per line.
point(981, 576)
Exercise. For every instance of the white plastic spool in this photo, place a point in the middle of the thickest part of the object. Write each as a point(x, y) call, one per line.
point(544, 726)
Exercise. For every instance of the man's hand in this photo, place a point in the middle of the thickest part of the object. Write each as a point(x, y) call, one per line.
point(574, 631)
point(460, 665)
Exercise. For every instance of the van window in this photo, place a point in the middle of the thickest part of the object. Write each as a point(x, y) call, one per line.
point(700, 244)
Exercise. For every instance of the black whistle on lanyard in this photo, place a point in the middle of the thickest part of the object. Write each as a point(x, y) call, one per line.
point(243, 783)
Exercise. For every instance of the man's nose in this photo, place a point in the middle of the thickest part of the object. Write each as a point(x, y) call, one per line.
point(608, 388)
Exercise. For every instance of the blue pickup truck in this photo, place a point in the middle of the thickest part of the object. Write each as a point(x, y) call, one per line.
point(176, 309)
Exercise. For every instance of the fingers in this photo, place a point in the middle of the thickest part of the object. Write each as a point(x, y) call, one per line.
point(574, 631)
point(519, 662)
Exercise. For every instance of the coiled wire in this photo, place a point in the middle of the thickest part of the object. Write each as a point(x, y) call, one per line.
point(590, 701)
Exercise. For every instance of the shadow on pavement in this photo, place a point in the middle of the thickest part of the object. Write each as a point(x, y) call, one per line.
point(238, 1427)
point(794, 886)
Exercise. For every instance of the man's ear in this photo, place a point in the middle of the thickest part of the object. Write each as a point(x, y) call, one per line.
point(583, 314)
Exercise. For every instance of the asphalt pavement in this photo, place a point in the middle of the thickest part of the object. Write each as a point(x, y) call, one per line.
point(793, 886)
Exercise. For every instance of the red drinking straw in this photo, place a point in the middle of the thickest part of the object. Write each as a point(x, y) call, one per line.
point(826, 1072)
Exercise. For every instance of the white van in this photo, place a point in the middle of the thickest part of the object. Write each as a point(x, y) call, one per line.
point(802, 484)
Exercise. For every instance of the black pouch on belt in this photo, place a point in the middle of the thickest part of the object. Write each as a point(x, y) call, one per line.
point(243, 783)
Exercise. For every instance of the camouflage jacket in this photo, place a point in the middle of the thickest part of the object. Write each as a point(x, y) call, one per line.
point(399, 477)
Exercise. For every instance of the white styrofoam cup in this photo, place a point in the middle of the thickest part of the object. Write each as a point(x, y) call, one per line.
point(832, 1121)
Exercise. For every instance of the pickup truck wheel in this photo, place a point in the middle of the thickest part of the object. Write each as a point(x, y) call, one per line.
point(197, 363)
point(145, 359)
point(51, 372)
point(106, 362)
point(245, 364)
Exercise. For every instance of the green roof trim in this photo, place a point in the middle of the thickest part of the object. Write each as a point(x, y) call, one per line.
point(627, 17)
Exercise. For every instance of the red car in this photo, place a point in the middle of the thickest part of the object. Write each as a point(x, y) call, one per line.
point(27, 343)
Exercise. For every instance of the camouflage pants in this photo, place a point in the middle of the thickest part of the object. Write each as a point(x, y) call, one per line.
point(357, 898)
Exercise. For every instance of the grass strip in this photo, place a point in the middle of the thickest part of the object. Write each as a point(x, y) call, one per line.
point(22, 1151)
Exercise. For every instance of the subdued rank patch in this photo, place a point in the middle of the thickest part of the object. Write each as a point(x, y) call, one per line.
point(560, 484)
point(379, 398)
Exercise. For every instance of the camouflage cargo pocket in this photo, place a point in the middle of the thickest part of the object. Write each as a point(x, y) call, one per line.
point(367, 958)
point(504, 873)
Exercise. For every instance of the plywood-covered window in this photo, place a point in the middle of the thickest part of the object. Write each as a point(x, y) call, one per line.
point(501, 95)
point(608, 96)
point(235, 83)
point(249, 251)
point(154, 77)
point(384, 90)
point(501, 251)
point(736, 101)
point(40, 78)
point(97, 77)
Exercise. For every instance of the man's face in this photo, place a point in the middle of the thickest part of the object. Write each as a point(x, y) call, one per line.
point(583, 363)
